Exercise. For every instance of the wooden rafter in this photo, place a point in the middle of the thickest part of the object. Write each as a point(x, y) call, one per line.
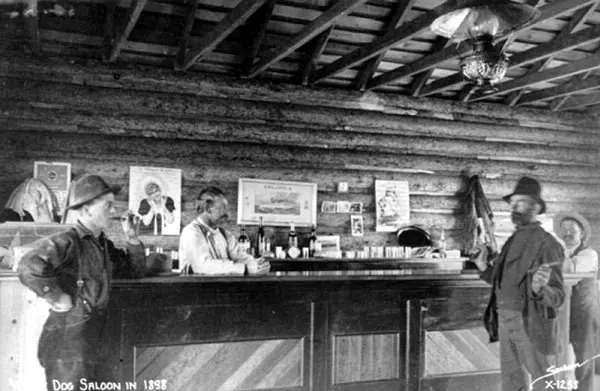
point(186, 33)
point(255, 30)
point(549, 11)
point(576, 22)
point(398, 17)
point(318, 45)
point(579, 101)
point(230, 22)
point(316, 27)
point(557, 104)
point(31, 27)
point(123, 33)
point(109, 28)
point(420, 79)
point(535, 54)
point(401, 34)
point(587, 64)
point(578, 85)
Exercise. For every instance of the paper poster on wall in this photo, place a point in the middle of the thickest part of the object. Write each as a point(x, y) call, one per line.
point(393, 207)
point(155, 193)
point(57, 176)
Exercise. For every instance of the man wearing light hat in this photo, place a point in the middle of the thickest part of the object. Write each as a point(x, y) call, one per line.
point(575, 231)
point(527, 290)
point(72, 272)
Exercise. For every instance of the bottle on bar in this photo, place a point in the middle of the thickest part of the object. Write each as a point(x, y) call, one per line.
point(312, 242)
point(243, 240)
point(293, 251)
point(260, 239)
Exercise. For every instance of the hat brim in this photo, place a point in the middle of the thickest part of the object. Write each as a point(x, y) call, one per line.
point(537, 199)
point(114, 189)
point(587, 228)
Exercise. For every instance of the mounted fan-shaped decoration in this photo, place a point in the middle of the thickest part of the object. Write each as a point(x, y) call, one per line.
point(479, 23)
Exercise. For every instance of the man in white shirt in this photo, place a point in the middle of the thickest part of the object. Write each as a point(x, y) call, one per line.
point(575, 232)
point(208, 248)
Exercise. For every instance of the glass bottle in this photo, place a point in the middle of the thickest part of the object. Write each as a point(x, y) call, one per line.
point(293, 251)
point(312, 242)
point(260, 238)
point(243, 240)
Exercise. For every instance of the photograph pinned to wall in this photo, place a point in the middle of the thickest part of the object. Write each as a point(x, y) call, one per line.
point(57, 177)
point(356, 225)
point(279, 203)
point(392, 205)
point(356, 207)
point(155, 194)
point(343, 207)
point(328, 207)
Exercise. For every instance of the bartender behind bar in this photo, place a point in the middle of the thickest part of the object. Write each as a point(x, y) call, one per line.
point(208, 248)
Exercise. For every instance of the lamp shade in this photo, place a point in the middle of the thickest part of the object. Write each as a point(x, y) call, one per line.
point(477, 18)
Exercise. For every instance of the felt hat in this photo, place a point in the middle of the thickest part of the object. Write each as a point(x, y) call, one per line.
point(87, 189)
point(530, 187)
point(585, 225)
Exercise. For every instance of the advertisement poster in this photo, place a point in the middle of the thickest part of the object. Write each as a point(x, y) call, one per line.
point(393, 206)
point(57, 176)
point(155, 194)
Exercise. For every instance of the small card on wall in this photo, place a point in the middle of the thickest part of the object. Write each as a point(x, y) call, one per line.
point(356, 225)
point(343, 207)
point(328, 207)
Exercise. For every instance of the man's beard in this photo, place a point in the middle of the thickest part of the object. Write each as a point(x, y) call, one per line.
point(520, 218)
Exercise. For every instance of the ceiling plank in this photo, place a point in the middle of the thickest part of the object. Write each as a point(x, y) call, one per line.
point(549, 11)
point(122, 34)
point(318, 45)
point(576, 22)
point(579, 101)
point(226, 26)
point(537, 53)
point(576, 85)
point(419, 80)
point(555, 106)
point(256, 29)
point(186, 33)
point(401, 34)
point(573, 68)
point(316, 27)
point(398, 17)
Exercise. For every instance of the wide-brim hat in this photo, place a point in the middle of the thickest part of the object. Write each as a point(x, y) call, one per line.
point(585, 225)
point(529, 187)
point(87, 189)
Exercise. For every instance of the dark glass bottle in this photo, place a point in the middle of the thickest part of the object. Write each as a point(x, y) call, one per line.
point(244, 241)
point(260, 238)
point(293, 251)
point(312, 242)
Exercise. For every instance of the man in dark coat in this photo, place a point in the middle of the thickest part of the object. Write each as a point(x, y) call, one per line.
point(72, 272)
point(527, 290)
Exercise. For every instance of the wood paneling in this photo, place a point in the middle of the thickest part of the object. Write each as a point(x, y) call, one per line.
point(103, 119)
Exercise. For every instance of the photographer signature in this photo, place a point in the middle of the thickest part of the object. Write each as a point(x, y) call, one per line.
point(554, 370)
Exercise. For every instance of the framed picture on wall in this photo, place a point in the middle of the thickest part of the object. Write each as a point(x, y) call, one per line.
point(279, 203)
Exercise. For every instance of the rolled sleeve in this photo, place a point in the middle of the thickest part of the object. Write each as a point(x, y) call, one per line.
point(37, 267)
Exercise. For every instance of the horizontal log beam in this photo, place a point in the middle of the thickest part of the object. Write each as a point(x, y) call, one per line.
point(26, 94)
point(16, 65)
point(266, 134)
point(55, 145)
point(316, 27)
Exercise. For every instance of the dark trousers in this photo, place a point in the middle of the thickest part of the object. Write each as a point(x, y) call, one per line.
point(70, 347)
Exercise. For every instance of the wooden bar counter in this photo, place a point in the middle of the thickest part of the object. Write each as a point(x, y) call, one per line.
point(310, 332)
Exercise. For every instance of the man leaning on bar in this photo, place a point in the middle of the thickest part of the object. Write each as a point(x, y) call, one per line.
point(206, 247)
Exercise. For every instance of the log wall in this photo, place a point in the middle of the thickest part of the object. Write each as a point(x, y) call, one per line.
point(105, 118)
